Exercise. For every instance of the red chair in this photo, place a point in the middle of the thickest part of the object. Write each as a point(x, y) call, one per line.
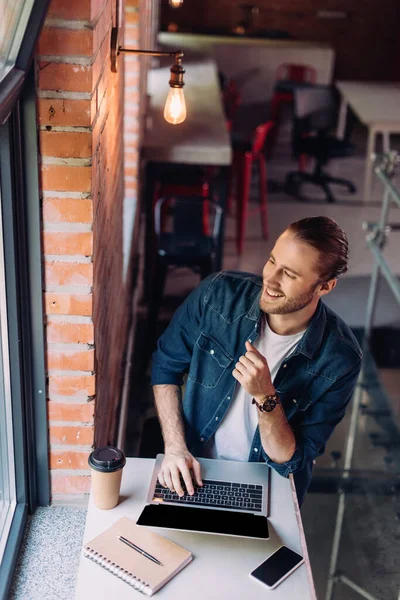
point(287, 77)
point(244, 154)
point(231, 100)
point(197, 187)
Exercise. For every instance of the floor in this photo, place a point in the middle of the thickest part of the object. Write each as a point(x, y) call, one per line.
point(370, 539)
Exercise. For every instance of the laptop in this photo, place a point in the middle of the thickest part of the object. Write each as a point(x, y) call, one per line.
point(234, 500)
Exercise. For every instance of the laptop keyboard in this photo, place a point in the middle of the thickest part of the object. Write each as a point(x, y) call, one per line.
point(219, 494)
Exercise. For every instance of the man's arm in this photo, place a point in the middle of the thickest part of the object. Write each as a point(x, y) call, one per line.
point(178, 460)
point(171, 359)
point(253, 374)
point(277, 437)
point(318, 423)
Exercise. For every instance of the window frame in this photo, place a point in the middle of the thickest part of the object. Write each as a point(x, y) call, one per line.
point(23, 281)
point(11, 85)
point(21, 222)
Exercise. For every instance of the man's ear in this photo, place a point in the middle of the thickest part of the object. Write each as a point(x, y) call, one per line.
point(325, 288)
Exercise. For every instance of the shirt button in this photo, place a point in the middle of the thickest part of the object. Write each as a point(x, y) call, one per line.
point(229, 397)
point(284, 366)
point(211, 351)
point(202, 439)
point(294, 400)
point(216, 418)
point(255, 449)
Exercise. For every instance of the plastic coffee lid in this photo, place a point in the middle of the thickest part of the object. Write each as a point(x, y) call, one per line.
point(107, 459)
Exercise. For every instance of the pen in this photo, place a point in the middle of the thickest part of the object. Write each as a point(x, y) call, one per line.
point(134, 547)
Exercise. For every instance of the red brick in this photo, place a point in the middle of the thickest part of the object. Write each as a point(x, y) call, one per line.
point(70, 484)
point(97, 7)
point(56, 41)
point(68, 304)
point(71, 435)
point(76, 10)
point(68, 460)
point(70, 411)
point(132, 18)
point(60, 273)
point(66, 178)
point(62, 242)
point(131, 79)
point(69, 333)
point(66, 144)
point(72, 385)
point(65, 77)
point(70, 360)
point(102, 60)
point(64, 112)
point(67, 210)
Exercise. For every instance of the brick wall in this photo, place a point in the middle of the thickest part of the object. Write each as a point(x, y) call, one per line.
point(87, 293)
point(365, 42)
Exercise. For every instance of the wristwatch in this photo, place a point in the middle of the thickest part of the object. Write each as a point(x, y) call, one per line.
point(269, 403)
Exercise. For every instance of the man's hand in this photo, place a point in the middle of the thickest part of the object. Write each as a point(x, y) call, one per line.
point(178, 463)
point(252, 372)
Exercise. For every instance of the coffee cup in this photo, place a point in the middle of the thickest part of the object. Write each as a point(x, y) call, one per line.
point(106, 463)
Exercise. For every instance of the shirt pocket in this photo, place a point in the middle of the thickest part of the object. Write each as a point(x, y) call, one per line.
point(209, 362)
point(293, 402)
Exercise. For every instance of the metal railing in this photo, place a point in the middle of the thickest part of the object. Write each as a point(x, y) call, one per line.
point(385, 167)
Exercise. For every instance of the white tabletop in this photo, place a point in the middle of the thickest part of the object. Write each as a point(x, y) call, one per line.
point(377, 104)
point(221, 566)
point(203, 137)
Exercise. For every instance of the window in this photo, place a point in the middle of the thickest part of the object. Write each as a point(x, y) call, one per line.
point(23, 428)
point(14, 15)
point(7, 479)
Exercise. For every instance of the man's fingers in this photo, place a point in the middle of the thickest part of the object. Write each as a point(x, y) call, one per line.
point(247, 363)
point(176, 480)
point(168, 479)
point(161, 479)
point(187, 478)
point(237, 375)
point(251, 348)
point(241, 368)
point(197, 471)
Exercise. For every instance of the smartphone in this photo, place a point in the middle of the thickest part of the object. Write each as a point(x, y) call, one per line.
point(277, 567)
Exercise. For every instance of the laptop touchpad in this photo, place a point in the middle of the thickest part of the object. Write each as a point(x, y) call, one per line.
point(205, 520)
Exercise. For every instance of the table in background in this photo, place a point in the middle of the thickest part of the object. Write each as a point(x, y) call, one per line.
point(221, 566)
point(377, 105)
point(201, 140)
point(252, 61)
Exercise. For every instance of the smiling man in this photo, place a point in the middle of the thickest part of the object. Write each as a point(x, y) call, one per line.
point(270, 369)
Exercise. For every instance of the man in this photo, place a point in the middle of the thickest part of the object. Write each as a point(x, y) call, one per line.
point(270, 369)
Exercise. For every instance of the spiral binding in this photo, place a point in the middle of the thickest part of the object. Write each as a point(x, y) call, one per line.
point(129, 578)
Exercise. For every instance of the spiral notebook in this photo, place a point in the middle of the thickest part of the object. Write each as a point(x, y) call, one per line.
point(129, 565)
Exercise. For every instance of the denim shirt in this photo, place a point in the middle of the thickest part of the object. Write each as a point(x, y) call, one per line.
point(207, 336)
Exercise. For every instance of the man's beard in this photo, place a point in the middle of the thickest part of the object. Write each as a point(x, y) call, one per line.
point(290, 306)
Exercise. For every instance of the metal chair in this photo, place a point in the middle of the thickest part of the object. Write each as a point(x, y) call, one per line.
point(315, 115)
point(288, 77)
point(181, 240)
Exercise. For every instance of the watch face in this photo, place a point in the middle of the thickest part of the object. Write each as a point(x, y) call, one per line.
point(269, 405)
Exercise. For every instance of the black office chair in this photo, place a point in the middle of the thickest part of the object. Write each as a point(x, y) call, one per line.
point(187, 232)
point(314, 117)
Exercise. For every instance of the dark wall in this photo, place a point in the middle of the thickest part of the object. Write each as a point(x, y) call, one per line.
point(365, 41)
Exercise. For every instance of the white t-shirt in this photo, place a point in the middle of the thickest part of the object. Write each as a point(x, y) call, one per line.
point(233, 438)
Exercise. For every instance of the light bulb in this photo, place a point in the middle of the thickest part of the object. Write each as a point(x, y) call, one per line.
point(175, 3)
point(175, 106)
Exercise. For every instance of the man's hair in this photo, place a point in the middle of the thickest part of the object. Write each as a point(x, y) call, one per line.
point(325, 235)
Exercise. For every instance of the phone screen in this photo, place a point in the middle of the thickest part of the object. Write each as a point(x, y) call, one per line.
point(277, 566)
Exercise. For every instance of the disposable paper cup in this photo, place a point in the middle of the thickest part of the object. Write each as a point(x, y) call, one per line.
point(106, 464)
